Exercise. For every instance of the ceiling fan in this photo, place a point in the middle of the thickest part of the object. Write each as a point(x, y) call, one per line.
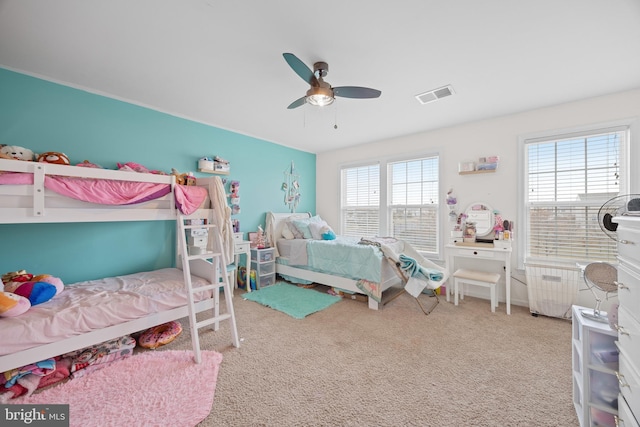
point(321, 93)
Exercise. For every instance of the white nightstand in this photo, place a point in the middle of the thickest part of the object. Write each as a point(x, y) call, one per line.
point(240, 247)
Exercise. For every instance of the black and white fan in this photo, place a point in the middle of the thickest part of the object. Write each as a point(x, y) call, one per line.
point(602, 276)
point(628, 204)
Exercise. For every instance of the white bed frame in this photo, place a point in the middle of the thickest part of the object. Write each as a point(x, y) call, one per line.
point(31, 204)
point(35, 204)
point(389, 275)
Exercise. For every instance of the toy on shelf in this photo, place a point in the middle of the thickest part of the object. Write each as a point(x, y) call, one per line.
point(221, 165)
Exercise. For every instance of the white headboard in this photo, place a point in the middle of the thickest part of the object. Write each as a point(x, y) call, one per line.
point(275, 222)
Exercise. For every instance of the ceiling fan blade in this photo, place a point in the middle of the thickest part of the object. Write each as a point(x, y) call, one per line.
point(298, 102)
point(301, 69)
point(356, 92)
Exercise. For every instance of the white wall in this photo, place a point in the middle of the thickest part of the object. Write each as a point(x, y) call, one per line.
point(467, 142)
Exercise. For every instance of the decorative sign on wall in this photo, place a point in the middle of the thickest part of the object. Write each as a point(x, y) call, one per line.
point(291, 188)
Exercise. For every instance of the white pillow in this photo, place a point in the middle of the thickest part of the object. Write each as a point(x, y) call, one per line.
point(316, 229)
point(303, 226)
point(286, 232)
point(292, 228)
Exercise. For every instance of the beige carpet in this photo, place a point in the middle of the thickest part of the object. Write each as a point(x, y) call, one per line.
point(350, 366)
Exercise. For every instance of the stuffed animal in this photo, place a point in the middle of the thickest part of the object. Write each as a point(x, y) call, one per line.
point(17, 153)
point(36, 289)
point(13, 305)
point(16, 276)
point(88, 164)
point(4, 155)
point(54, 157)
point(183, 178)
point(137, 167)
point(327, 233)
point(35, 292)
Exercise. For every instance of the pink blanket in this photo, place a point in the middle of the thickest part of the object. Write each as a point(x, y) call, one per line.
point(113, 192)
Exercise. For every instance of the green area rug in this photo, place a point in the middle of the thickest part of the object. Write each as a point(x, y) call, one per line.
point(292, 300)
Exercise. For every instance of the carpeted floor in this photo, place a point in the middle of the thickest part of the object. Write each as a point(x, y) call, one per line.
point(350, 366)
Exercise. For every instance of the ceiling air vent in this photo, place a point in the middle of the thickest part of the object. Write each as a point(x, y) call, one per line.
point(434, 95)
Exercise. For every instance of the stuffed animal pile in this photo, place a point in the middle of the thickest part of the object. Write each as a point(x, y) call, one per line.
point(23, 290)
point(15, 152)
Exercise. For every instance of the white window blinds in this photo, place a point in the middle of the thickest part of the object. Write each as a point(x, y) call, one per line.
point(567, 179)
point(361, 201)
point(413, 207)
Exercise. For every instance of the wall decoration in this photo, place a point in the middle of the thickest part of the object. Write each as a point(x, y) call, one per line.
point(234, 197)
point(291, 188)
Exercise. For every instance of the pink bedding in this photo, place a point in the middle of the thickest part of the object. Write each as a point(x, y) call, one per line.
point(113, 192)
point(87, 306)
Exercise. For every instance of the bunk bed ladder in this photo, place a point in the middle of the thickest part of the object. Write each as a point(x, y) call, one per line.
point(213, 260)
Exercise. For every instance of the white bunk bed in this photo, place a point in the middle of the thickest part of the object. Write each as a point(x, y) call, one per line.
point(389, 276)
point(162, 295)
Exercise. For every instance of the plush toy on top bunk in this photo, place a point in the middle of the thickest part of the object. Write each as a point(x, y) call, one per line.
point(23, 290)
point(186, 178)
point(16, 152)
point(137, 167)
point(53, 157)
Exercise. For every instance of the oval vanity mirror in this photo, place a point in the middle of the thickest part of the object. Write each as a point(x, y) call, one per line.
point(482, 215)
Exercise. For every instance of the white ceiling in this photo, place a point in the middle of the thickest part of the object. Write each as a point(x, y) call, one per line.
point(220, 62)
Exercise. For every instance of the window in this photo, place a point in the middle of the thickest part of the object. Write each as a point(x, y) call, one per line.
point(360, 214)
point(566, 180)
point(413, 207)
point(399, 199)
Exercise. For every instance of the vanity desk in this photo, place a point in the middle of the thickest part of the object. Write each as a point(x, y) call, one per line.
point(480, 225)
point(482, 251)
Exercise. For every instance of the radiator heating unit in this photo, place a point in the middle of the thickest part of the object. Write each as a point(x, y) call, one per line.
point(552, 290)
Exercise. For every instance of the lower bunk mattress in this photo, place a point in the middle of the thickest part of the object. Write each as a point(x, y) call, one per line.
point(97, 304)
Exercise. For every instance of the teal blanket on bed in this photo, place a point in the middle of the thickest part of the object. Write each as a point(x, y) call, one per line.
point(345, 257)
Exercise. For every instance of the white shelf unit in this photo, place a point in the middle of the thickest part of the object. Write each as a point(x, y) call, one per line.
point(263, 261)
point(628, 320)
point(595, 364)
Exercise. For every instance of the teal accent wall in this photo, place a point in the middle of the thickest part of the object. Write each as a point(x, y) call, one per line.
point(45, 116)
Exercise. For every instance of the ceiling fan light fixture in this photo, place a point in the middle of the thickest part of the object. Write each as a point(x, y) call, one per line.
point(320, 96)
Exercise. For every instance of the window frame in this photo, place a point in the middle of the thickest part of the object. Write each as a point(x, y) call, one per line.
point(390, 207)
point(384, 207)
point(628, 177)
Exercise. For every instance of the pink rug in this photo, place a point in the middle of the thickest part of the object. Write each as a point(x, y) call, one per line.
point(154, 388)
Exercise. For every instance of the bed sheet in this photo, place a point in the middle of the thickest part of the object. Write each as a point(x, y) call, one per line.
point(86, 306)
point(113, 192)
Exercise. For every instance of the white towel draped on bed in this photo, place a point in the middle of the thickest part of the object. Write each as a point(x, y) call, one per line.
point(221, 217)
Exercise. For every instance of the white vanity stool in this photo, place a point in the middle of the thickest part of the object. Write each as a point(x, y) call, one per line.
point(479, 278)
